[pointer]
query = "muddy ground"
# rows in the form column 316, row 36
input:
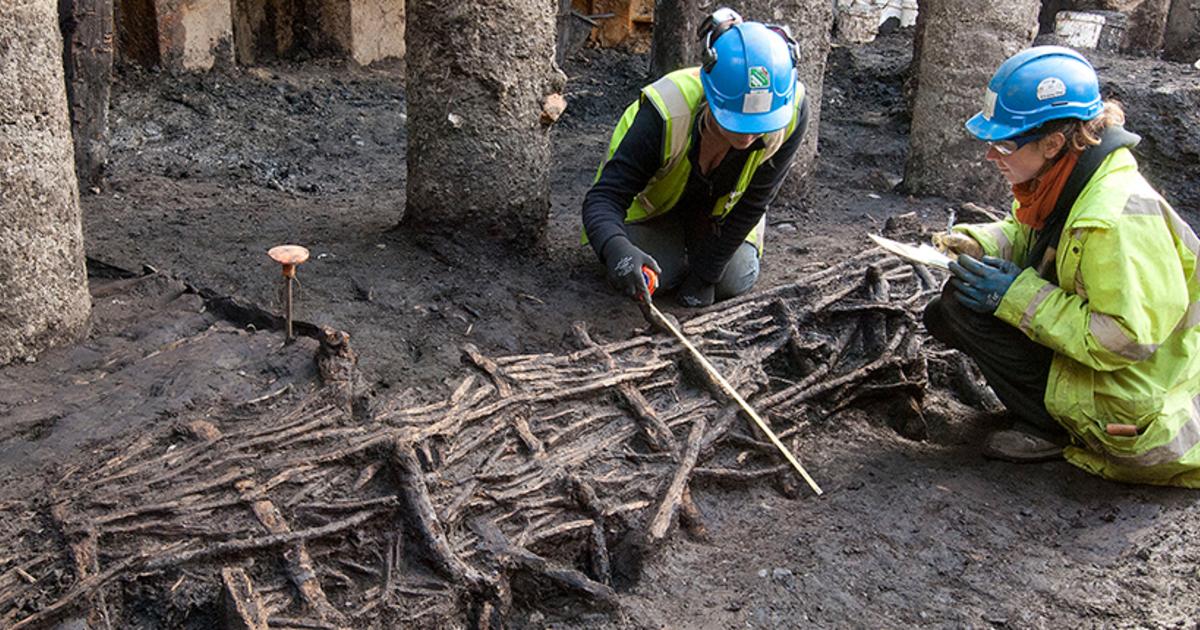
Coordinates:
column 210, row 171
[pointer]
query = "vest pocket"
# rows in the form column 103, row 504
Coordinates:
column 1144, row 413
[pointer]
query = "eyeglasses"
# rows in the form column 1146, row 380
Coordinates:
column 1012, row 145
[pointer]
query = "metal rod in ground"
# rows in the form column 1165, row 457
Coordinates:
column 289, row 256
column 729, row 389
column 289, row 308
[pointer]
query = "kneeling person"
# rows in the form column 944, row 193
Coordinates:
column 694, row 164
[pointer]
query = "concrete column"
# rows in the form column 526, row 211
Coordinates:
column 963, row 42
column 376, row 30
column 811, row 22
column 194, row 34
column 44, row 299
column 481, row 80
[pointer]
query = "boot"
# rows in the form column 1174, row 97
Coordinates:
column 1021, row 447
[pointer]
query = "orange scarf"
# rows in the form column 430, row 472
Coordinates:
column 1036, row 197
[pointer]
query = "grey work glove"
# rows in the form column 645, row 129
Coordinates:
column 696, row 292
column 955, row 243
column 624, row 261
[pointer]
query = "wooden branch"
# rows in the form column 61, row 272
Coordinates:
column 489, row 366
column 429, row 528
column 598, row 558
column 725, row 419
column 83, row 543
column 728, row 474
column 242, row 545
column 242, row 605
column 660, row 524
column 691, row 517
column 507, row 554
column 177, row 504
column 82, row 588
column 300, row 568
column 658, row 435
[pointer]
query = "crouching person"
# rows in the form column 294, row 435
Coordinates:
column 1081, row 307
column 694, row 163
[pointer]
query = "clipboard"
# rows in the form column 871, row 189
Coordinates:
column 923, row 254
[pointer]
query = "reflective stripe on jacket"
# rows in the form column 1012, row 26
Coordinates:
column 1123, row 323
column 678, row 97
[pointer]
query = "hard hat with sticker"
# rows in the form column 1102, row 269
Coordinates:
column 1033, row 87
column 749, row 77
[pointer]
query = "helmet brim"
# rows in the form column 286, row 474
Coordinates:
column 766, row 122
column 990, row 131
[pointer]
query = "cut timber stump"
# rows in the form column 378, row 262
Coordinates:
column 87, row 30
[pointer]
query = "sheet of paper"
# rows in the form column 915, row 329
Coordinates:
column 924, row 254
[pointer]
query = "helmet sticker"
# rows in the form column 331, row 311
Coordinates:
column 759, row 77
column 757, row 102
column 989, row 104
column 1051, row 87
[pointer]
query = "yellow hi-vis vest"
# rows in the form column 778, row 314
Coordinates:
column 1124, row 324
column 678, row 97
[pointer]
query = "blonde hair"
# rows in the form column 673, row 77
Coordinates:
column 1082, row 134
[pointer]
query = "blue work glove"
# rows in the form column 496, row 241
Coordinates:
column 695, row 292
column 624, row 261
column 980, row 285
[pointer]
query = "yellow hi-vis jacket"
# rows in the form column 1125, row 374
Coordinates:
column 678, row 97
column 1123, row 324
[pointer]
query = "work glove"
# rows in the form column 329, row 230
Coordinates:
column 624, row 261
column 955, row 243
column 980, row 285
column 695, row 292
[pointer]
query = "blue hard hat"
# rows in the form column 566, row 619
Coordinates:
column 1034, row 86
column 749, row 77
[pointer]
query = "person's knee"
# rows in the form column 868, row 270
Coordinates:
column 740, row 273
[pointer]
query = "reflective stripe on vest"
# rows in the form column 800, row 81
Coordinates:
column 679, row 99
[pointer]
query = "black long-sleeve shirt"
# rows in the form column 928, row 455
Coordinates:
column 710, row 242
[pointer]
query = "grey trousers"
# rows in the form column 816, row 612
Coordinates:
column 663, row 238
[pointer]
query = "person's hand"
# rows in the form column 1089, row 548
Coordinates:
column 624, row 261
column 696, row 292
column 980, row 285
column 956, row 243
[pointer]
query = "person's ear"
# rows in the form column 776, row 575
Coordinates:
column 1052, row 144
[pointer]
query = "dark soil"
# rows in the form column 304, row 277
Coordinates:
column 209, row 171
